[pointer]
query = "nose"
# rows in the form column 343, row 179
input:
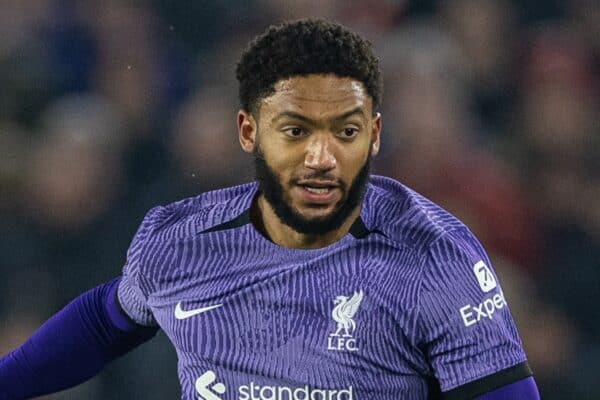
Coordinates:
column 319, row 155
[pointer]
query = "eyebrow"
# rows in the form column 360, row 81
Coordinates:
column 295, row 115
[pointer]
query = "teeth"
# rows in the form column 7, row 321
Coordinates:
column 317, row 190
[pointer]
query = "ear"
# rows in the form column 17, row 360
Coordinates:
column 247, row 128
column 376, row 134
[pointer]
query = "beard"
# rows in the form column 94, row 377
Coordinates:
column 269, row 184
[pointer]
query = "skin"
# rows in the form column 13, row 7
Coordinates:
column 314, row 130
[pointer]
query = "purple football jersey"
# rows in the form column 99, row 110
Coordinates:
column 403, row 306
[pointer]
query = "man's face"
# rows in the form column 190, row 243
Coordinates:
column 312, row 144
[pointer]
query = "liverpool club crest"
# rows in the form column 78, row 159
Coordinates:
column 343, row 315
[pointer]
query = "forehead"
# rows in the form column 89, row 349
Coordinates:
column 317, row 95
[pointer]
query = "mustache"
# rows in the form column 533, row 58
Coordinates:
column 323, row 177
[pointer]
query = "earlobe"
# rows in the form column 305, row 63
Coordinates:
column 375, row 148
column 247, row 130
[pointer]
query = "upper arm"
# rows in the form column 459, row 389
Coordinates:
column 468, row 333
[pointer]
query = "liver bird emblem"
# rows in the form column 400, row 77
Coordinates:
column 344, row 311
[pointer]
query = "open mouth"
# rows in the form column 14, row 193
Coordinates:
column 317, row 190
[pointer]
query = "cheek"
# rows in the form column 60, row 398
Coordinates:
column 283, row 161
column 280, row 165
column 354, row 161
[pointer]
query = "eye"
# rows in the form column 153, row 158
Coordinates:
column 295, row 132
column 348, row 133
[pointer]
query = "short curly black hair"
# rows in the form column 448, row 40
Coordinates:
column 307, row 46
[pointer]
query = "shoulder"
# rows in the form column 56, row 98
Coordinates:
column 405, row 216
column 447, row 253
column 189, row 216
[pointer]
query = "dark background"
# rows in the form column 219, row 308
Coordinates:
column 110, row 107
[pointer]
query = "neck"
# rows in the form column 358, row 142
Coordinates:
column 269, row 224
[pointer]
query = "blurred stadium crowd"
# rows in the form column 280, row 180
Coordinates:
column 110, row 107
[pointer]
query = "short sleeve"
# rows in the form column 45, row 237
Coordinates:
column 134, row 287
column 468, row 333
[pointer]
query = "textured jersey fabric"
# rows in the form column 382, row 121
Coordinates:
column 406, row 299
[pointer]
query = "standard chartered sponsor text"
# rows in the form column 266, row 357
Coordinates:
column 257, row 392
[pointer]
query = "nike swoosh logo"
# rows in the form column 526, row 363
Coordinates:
column 185, row 314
